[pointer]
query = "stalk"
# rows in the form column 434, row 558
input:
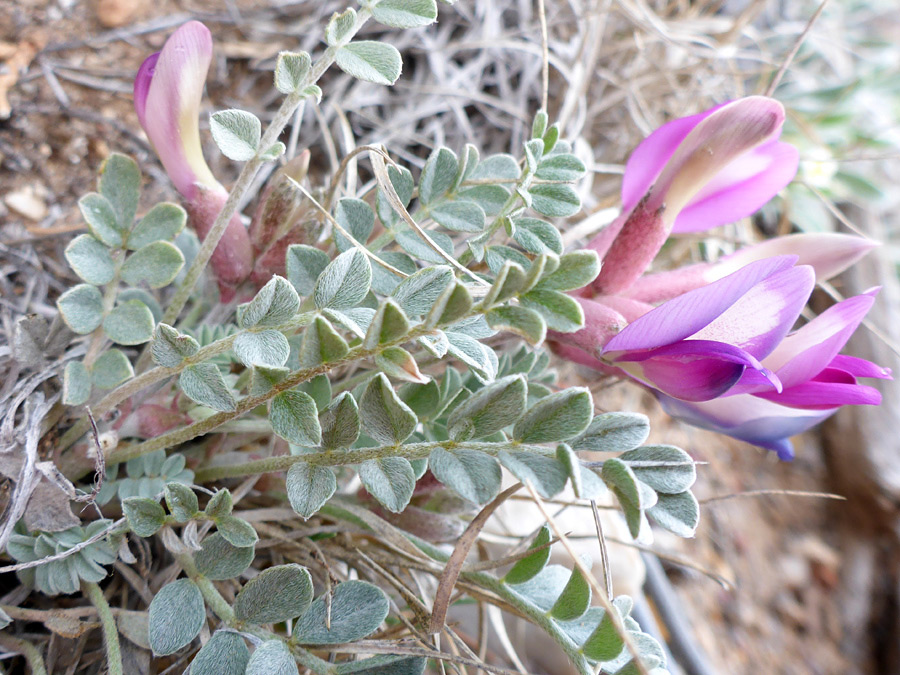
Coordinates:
column 110, row 630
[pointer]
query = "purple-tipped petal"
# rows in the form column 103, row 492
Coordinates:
column 142, row 87
column 687, row 314
column 860, row 367
column 833, row 388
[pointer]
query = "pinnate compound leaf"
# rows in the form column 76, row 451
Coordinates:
column 480, row 358
column 345, row 281
column 76, row 383
column 90, row 259
column 665, row 468
column 614, row 432
column 144, row 516
column 390, row 480
column 489, row 409
column 291, row 70
column 204, row 384
column 111, row 369
column 405, row 13
column 237, row 532
column 181, row 501
column 303, row 265
column 120, row 183
column 295, row 418
column 161, row 223
column 385, row 417
column 277, row 594
column 170, row 347
column 451, row 306
column 529, row 566
column 340, row 422
column 546, row 473
column 575, row 599
column 237, row 133
column 81, row 307
column 388, row 324
column 355, row 216
column 274, row 304
column 357, row 609
column 370, row 61
column 155, row 265
column 177, row 614
column 438, row 175
column 459, row 216
column 557, row 417
column 473, row 475
column 537, row 236
column 101, row 219
column 131, row 323
column 267, row 348
column 563, row 166
column 272, row 657
column 679, row 513
column 309, row 487
column 226, row 653
column 510, row 280
column 218, row 559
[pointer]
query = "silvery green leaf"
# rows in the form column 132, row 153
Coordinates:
column 453, row 304
column 480, row 358
column 224, row 654
column 534, row 150
column 237, row 133
column 403, row 184
column 386, row 418
column 319, row 389
column 491, row 198
column 539, row 125
column 203, row 383
column 356, row 320
column 384, row 664
column 677, row 513
column 497, row 256
column 144, row 516
column 405, row 13
column 412, row 243
column 321, row 344
column 272, row 657
column 266, row 348
column 546, row 474
column 614, row 432
column 489, row 409
column 497, row 167
column 111, row 369
column 357, row 609
column 355, row 216
column 176, row 616
column 131, row 323
column 576, row 270
column 384, row 281
column 560, row 311
column 236, row 531
column 467, row 163
column 76, row 383
column 81, row 307
column 276, row 303
column 370, row 61
column 605, row 643
column 90, row 259
column 101, row 219
column 340, row 422
column 510, row 280
column 390, row 480
column 120, row 183
column 388, row 324
column 554, row 200
column 345, row 281
column 309, row 487
column 529, row 566
column 537, row 236
column 619, row 477
column 339, row 26
column 218, row 560
column 399, row 364
column 438, row 175
column 263, row 378
column 557, row 417
column 277, row 594
column 435, row 344
column 544, row 588
column 417, row 293
column 291, row 70
column 459, row 216
column 664, row 468
column 170, row 347
column 473, row 475
column 161, row 223
column 155, row 265
column 274, row 151
column 563, row 167
column 551, row 138
column 295, row 418
column 181, row 501
column 524, row 322
column 304, row 264
column 220, row 504
column 313, row 90
column 574, row 600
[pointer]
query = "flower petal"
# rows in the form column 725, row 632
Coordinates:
column 860, row 367
column 824, row 394
column 142, row 86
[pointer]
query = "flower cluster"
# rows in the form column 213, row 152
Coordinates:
column 714, row 341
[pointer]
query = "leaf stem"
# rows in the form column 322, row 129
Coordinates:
column 110, row 630
column 31, row 653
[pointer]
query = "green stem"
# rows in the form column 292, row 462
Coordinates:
column 110, row 292
column 31, row 653
column 110, row 630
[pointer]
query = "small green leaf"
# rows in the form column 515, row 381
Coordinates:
column 539, row 125
column 619, row 476
column 263, row 378
column 304, row 264
column 510, row 280
column 537, row 236
column 236, row 531
column 575, row 270
column 277, row 594
column 204, row 384
column 389, row 324
column 144, row 516
column 181, row 501
column 497, row 167
column 403, row 184
column 554, row 200
column 276, row 303
column 370, row 61
column 218, row 560
column 155, row 265
column 384, row 664
column 604, row 644
column 524, row 322
column 355, row 216
column 560, row 311
column 131, row 323
column 390, row 480
column 161, row 223
column 321, row 343
column 295, row 418
column 575, row 599
column 272, row 657
column 170, row 347
column 386, row 418
column 405, row 13
column 546, row 474
column 557, row 417
column 357, row 608
column 453, row 304
column 418, row 293
column 101, row 219
column 677, row 513
column 267, row 348
column 176, row 616
column 291, row 70
column 319, row 388
column 489, row 409
column 237, row 133
column 76, row 383
column 529, row 566
column 224, row 654
column 220, row 504
column 120, row 183
column 111, row 369
column 614, row 432
column 339, row 26
column 471, row 474
column 81, row 307
column 340, row 422
column 563, row 167
column 274, row 151
column 438, row 175
column 664, row 468
column 480, row 358
column 459, row 216
column 345, row 281
column 309, row 487
column 399, row 364
column 90, row 259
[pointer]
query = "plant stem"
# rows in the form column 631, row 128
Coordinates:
column 31, row 653
column 110, row 630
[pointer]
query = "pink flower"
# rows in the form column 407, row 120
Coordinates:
column 168, row 89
